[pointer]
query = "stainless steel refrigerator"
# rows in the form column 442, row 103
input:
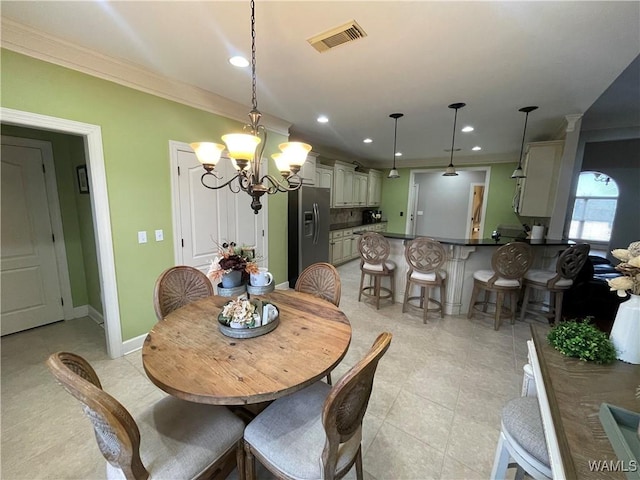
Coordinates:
column 308, row 229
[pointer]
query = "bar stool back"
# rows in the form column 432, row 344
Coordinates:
column 569, row 264
column 425, row 257
column 509, row 263
column 374, row 261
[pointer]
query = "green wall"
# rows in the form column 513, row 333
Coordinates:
column 136, row 130
column 395, row 195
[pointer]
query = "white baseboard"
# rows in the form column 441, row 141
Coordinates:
column 96, row 316
column 283, row 286
column 81, row 311
column 129, row 346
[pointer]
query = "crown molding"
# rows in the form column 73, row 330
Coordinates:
column 27, row 41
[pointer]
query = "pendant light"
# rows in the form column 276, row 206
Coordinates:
column 394, row 171
column 519, row 172
column 451, row 170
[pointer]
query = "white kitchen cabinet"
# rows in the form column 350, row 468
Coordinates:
column 535, row 194
column 374, row 188
column 324, row 179
column 360, row 183
column 343, row 174
column 308, row 170
column 336, row 245
column 347, row 237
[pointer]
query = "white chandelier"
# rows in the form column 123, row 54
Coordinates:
column 245, row 151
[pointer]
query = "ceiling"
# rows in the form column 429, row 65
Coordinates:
column 417, row 58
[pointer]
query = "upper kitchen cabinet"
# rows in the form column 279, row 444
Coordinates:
column 343, row 176
column 308, row 170
column 324, row 179
column 536, row 193
column 360, row 182
column 374, row 188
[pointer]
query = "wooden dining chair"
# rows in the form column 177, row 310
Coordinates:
column 509, row 263
column 425, row 257
column 554, row 282
column 322, row 280
column 177, row 286
column 180, row 439
column 316, row 432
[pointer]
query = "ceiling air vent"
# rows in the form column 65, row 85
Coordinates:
column 337, row 36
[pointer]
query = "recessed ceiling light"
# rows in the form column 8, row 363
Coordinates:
column 323, row 119
column 467, row 129
column 367, row 140
column 476, row 148
column 398, row 154
column 239, row 61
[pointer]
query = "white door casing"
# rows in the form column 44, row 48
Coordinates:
column 31, row 293
column 203, row 218
column 100, row 208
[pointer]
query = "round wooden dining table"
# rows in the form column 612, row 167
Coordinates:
column 187, row 356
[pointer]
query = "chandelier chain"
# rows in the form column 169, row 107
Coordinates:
column 453, row 138
column 253, row 56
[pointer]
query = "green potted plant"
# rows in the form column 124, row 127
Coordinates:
column 583, row 340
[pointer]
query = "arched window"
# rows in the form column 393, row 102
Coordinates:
column 594, row 208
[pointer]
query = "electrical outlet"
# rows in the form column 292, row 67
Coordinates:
column 159, row 235
column 142, row 237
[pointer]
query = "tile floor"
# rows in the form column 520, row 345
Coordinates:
column 434, row 411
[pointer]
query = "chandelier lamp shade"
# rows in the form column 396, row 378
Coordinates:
column 394, row 171
column 451, row 170
column 245, row 151
column 519, row 172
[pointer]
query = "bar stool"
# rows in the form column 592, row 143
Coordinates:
column 374, row 253
column 509, row 263
column 425, row 258
column 569, row 264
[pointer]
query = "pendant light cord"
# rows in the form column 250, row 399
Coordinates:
column 453, row 138
column 395, row 138
column 524, row 131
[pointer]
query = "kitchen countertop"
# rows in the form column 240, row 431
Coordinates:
column 342, row 226
column 483, row 242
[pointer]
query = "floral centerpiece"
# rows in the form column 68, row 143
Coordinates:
column 231, row 258
column 240, row 312
column 630, row 267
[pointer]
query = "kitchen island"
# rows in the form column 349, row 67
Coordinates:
column 465, row 256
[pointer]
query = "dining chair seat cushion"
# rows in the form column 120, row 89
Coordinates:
column 522, row 421
column 427, row 277
column 289, row 433
column 181, row 439
column 377, row 267
column 485, row 275
column 543, row 276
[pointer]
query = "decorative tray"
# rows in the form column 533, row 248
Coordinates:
column 256, row 326
column 621, row 427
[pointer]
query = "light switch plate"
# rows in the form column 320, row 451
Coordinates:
column 142, row 237
column 159, row 235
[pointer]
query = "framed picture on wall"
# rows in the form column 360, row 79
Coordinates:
column 83, row 180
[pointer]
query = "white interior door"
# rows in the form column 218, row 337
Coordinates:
column 205, row 218
column 29, row 272
column 412, row 208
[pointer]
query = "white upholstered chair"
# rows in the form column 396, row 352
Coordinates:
column 171, row 439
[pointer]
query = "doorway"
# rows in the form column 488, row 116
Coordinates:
column 475, row 227
column 92, row 138
column 440, row 205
